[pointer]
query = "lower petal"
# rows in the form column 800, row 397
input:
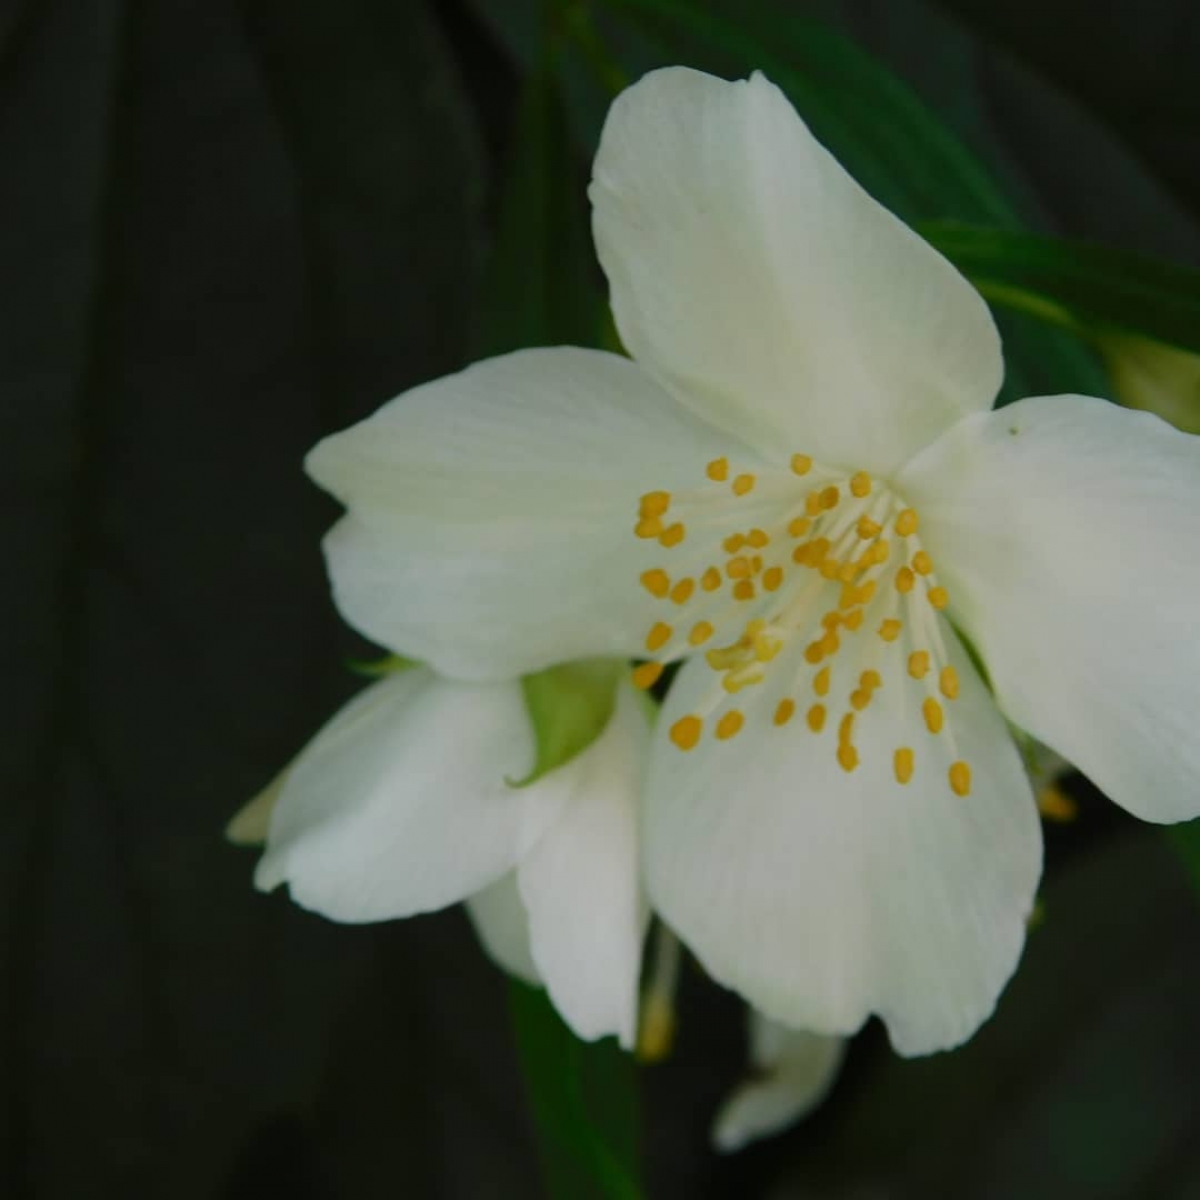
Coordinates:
column 1064, row 529
column 502, row 923
column 823, row 895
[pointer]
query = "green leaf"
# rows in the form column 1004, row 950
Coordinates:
column 584, row 1102
column 569, row 706
column 1081, row 286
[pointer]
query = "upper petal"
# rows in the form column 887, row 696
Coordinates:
column 768, row 290
column 581, row 886
column 824, row 896
column 1064, row 529
column 400, row 804
column 490, row 530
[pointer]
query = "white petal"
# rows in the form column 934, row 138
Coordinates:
column 1065, row 530
column 400, row 804
column 793, row 1072
column 491, row 519
column 502, row 923
column 768, row 290
column 580, row 883
column 249, row 825
column 824, row 896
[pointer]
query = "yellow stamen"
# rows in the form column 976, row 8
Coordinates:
column 733, row 543
column 949, row 683
column 860, row 484
column 960, row 779
column 870, row 679
column 672, row 535
column 938, row 597
column 812, row 504
column 801, row 464
column 814, row 652
column 799, row 526
column 868, row 529
column 685, row 733
column 902, row 763
column 934, row 717
column 654, row 504
column 830, row 568
column 905, row 580
column 830, row 497
column 658, row 637
column 880, row 551
column 681, row 593
column 742, row 484
column 854, row 619
column 784, row 711
column 772, row 578
column 730, row 724
column 816, row 718
column 743, row 590
column 918, row 663
column 922, row 563
column 738, row 568
column 821, row 682
column 846, row 729
column 860, row 698
column 711, row 579
column 648, row 527
column 847, row 757
column 906, row 522
column 1055, row 805
column 890, row 629
column 758, row 538
column 657, row 582
column 700, row 634
column 647, row 674
column 718, row 470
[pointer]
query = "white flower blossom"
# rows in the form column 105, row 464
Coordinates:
column 798, row 489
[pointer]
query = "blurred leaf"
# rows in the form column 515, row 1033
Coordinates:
column 569, row 706
column 1149, row 375
column 584, row 1101
column 1084, row 287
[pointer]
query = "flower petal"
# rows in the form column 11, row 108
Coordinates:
column 1064, row 530
column 580, row 883
column 502, row 923
column 824, row 896
column 491, row 519
column 777, row 299
column 793, row 1071
column 400, row 805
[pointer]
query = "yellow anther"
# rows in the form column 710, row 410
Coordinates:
column 729, row 725
column 672, row 535
column 960, row 779
column 934, row 717
column 830, row 497
column 854, row 619
column 830, row 568
column 754, row 627
column 848, row 572
column 758, row 538
column 938, row 597
column 648, row 527
column 868, row 529
column 726, row 658
column 847, row 757
column 902, row 764
column 821, row 682
column 860, row 698
column 657, row 582
column 905, row 579
column 738, row 568
column 654, row 504
column 812, row 504
column 742, row 484
column 922, row 563
column 756, row 563
column 766, row 648
column 1055, row 805
column 948, row 682
column 816, row 718
column 918, row 663
column 681, row 593
column 870, row 679
column 685, row 733
column 734, row 681
column 890, row 629
column 799, row 526
column 784, row 711
column 814, row 652
column 711, row 579
column 830, row 643
column 700, row 634
column 718, row 470
column 906, row 522
column 647, row 674
column 743, row 590
column 772, row 578
column 880, row 551
column 733, row 543
column 848, row 596
column 860, row 484
column 831, row 620
column 801, row 464
column 658, row 637
column 846, row 729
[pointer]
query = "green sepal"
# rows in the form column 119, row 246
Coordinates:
column 569, row 706
column 377, row 668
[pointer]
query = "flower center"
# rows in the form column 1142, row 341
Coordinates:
column 833, row 565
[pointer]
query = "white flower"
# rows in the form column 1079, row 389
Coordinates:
column 791, row 1073
column 403, row 804
column 799, row 487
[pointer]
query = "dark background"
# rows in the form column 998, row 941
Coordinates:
column 225, row 230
